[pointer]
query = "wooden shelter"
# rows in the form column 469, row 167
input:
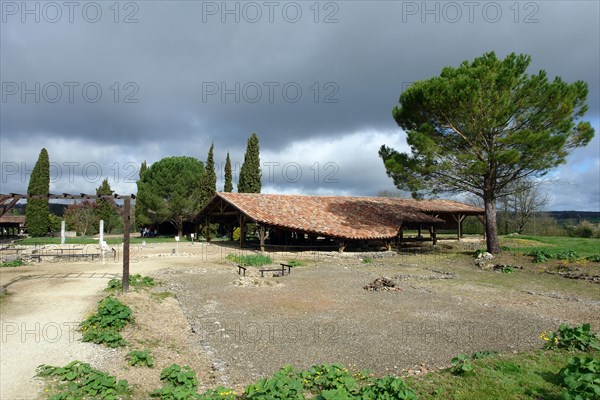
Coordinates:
column 336, row 220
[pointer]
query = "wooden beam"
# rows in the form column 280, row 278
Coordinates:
column 126, row 220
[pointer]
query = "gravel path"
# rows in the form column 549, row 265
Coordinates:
column 321, row 314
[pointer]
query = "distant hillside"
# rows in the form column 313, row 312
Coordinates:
column 575, row 216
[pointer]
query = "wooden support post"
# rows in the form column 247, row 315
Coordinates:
column 433, row 235
column 419, row 235
column 341, row 246
column 261, row 237
column 207, row 236
column 126, row 221
column 459, row 218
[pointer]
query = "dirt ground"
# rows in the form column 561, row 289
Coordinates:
column 233, row 330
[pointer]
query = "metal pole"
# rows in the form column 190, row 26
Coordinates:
column 126, row 220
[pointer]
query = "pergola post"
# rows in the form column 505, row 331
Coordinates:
column 459, row 218
column 261, row 237
column 126, row 221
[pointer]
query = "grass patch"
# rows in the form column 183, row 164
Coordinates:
column 136, row 281
column 251, row 260
column 161, row 296
column 584, row 247
column 531, row 375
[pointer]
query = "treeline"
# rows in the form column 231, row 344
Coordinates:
column 173, row 190
column 550, row 223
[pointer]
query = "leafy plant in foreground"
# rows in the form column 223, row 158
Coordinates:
column 284, row 384
column 578, row 337
column 179, row 383
column 12, row 264
column 581, row 378
column 79, row 380
column 103, row 326
column 142, row 357
column 461, row 365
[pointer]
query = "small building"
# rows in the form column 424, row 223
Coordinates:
column 11, row 225
column 331, row 221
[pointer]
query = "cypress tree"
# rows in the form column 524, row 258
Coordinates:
column 250, row 176
column 208, row 183
column 228, row 175
column 37, row 210
column 105, row 210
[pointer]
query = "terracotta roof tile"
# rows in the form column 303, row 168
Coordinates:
column 337, row 216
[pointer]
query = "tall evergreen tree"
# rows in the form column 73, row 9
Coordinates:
column 37, row 210
column 228, row 175
column 139, row 217
column 105, row 211
column 250, row 176
column 208, row 183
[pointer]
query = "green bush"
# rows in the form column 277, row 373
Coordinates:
column 80, row 381
column 326, row 377
column 461, row 365
column 581, row 378
column 578, row 337
column 544, row 255
column 104, row 325
column 142, row 357
column 284, row 384
column 594, row 258
column 12, row 264
column 388, row 388
column 295, row 263
column 179, row 383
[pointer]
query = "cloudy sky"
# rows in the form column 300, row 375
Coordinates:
column 105, row 85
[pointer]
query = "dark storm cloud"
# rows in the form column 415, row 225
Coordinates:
column 179, row 78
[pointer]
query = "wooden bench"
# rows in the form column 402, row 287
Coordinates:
column 240, row 268
column 280, row 270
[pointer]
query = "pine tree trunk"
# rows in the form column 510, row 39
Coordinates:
column 491, row 229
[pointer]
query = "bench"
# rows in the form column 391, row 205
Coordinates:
column 280, row 270
column 240, row 268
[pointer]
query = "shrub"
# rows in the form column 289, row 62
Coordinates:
column 578, row 337
column 284, row 384
column 12, row 264
column 103, row 326
column 594, row 258
column 461, row 365
column 581, row 378
column 295, row 263
column 386, row 388
column 179, row 383
column 80, row 381
column 326, row 377
column 142, row 357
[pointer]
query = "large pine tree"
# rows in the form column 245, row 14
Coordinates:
column 208, row 184
column 228, row 187
column 37, row 211
column 250, row 176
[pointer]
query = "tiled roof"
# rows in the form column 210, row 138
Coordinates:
column 12, row 219
column 336, row 216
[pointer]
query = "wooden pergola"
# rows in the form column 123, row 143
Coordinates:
column 8, row 201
